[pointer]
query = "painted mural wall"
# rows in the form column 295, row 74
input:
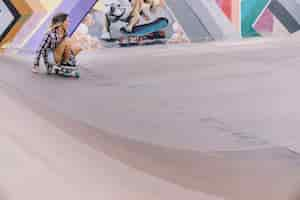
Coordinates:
column 252, row 18
column 103, row 22
column 23, row 22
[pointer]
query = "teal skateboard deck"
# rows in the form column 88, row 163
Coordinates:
column 145, row 29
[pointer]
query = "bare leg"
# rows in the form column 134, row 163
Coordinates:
column 107, row 24
column 106, row 34
column 76, row 50
column 63, row 51
column 135, row 14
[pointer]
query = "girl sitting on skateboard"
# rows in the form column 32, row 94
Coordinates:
column 56, row 48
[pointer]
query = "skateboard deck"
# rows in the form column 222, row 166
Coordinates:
column 145, row 29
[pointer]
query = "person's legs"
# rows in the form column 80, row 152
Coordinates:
column 65, row 51
column 76, row 50
column 135, row 14
column 106, row 34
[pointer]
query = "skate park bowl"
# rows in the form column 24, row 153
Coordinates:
column 197, row 120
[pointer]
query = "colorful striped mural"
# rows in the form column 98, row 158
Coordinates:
column 23, row 22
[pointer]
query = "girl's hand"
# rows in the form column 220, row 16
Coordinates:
column 61, row 32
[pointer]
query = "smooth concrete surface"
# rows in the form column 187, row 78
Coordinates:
column 204, row 121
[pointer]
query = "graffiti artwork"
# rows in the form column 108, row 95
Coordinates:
column 109, row 23
column 126, row 22
column 8, row 16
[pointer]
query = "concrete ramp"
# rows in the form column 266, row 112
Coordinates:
column 211, row 121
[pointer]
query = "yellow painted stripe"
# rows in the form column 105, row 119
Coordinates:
column 99, row 6
column 50, row 4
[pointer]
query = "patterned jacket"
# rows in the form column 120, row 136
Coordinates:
column 50, row 42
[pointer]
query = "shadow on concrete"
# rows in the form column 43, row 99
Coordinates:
column 256, row 174
column 3, row 194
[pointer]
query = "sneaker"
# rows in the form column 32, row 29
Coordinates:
column 35, row 69
column 106, row 36
column 69, row 63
